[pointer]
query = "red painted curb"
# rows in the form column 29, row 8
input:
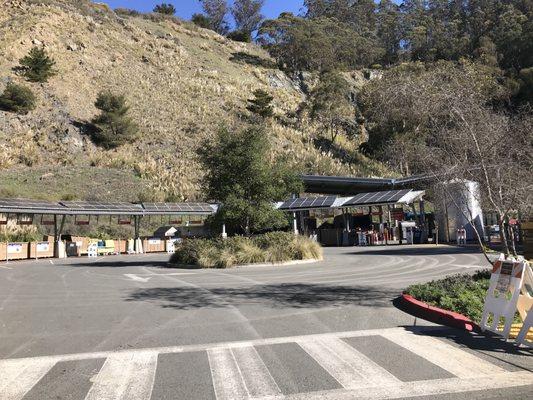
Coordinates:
column 438, row 315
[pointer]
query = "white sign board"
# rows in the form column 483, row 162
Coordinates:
column 42, row 247
column 14, row 248
column 154, row 241
column 171, row 245
column 502, row 296
column 92, row 250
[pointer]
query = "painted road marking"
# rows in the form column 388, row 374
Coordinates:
column 238, row 372
column 256, row 375
column 349, row 367
column 227, row 379
column 17, row 377
column 137, row 278
column 125, row 377
column 423, row 388
column 459, row 362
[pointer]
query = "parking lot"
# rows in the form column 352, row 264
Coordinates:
column 243, row 332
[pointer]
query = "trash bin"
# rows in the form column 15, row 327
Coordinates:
column 72, row 249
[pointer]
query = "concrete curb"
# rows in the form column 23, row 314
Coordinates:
column 280, row 264
column 437, row 315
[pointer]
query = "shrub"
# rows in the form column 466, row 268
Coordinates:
column 17, row 98
column 273, row 239
column 127, row 12
column 461, row 293
column 201, row 20
column 240, row 36
column 113, row 127
column 246, row 251
column 272, row 247
column 165, row 8
column 305, row 249
column 37, row 66
column 200, row 252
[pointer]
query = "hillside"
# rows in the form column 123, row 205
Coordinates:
column 181, row 82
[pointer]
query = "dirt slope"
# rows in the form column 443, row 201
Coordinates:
column 181, row 81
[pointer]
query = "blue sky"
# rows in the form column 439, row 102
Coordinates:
column 185, row 8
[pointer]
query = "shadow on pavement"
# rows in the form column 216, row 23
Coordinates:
column 488, row 343
column 415, row 251
column 121, row 264
column 275, row 296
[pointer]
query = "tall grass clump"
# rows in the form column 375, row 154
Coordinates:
column 272, row 247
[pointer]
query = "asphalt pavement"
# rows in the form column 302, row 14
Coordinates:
column 129, row 327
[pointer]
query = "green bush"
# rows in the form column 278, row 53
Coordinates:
column 37, row 66
column 271, row 247
column 201, row 20
column 113, row 127
column 17, row 98
column 240, row 36
column 165, row 8
column 461, row 293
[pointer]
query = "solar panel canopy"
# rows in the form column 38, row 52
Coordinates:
column 304, row 203
column 29, row 206
column 178, row 208
column 384, row 197
column 102, row 208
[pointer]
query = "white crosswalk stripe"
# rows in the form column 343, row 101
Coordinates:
column 18, row 376
column 348, row 366
column 459, row 362
column 238, row 372
column 125, row 377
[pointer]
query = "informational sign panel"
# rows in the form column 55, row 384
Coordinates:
column 502, row 296
column 92, row 250
column 171, row 245
column 42, row 247
column 154, row 241
column 14, row 248
column 397, row 214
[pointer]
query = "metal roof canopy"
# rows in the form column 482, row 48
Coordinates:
column 389, row 197
column 33, row 207
column 179, row 208
column 101, row 208
column 344, row 185
column 25, row 206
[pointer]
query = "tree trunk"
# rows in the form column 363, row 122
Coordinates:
column 503, row 234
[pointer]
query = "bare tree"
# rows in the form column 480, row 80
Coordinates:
column 216, row 11
column 247, row 15
column 443, row 120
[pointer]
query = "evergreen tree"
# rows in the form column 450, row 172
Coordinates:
column 261, row 104
column 113, row 126
column 165, row 8
column 389, row 30
column 37, row 66
column 17, row 98
column 241, row 176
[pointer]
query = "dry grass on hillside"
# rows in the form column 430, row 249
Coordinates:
column 181, row 81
